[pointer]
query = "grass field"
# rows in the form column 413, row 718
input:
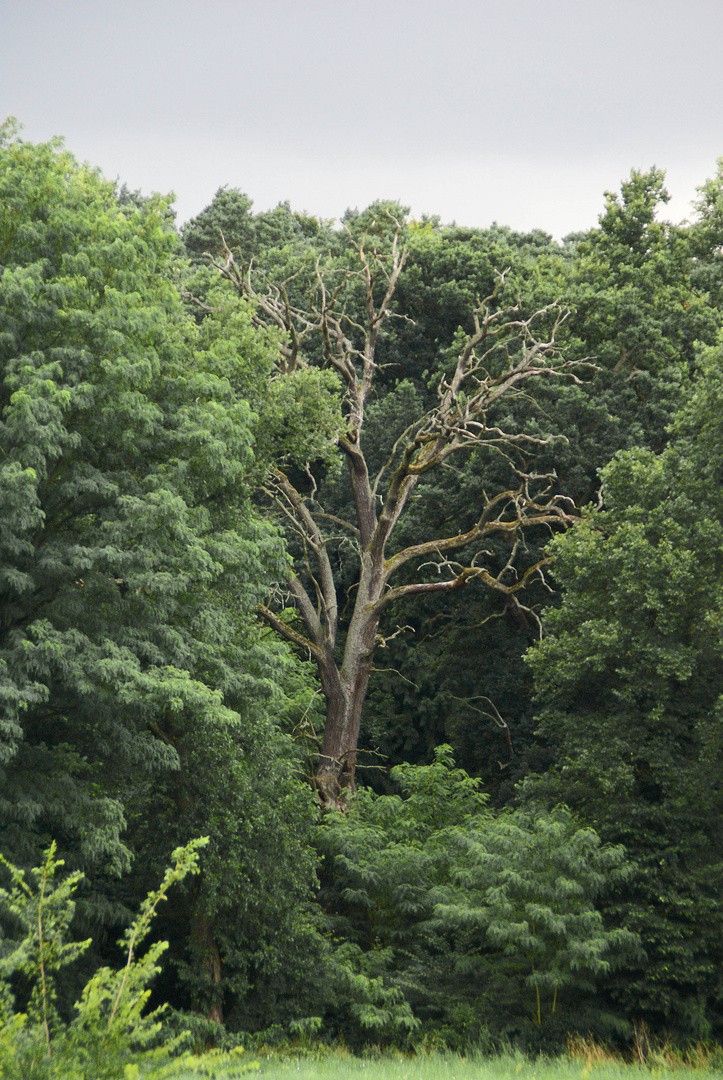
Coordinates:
column 449, row 1067
column 443, row 1067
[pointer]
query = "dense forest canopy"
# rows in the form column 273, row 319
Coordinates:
column 385, row 555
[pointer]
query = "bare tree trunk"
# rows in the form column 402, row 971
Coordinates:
column 336, row 771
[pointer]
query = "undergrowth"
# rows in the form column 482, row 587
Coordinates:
column 647, row 1052
column 110, row 1037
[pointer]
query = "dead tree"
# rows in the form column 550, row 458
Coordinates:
column 504, row 353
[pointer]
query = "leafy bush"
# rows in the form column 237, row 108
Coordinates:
column 110, row 1035
column 483, row 922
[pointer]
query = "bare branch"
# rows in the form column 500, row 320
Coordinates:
column 288, row 633
column 494, row 715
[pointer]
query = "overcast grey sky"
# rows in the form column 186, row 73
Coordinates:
column 516, row 111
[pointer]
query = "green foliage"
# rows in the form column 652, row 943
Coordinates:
column 640, row 292
column 530, row 883
column 474, row 917
column 229, row 218
column 706, row 230
column 301, row 418
column 629, row 686
column 109, row 1033
column 635, row 304
column 140, row 703
column 368, row 1006
column 43, row 916
column 118, row 441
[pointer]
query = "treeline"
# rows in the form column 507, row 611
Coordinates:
column 387, row 556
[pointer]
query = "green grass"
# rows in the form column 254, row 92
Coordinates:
column 444, row 1067
column 449, row 1067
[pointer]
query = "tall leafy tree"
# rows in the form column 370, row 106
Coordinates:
column 640, row 305
column 628, row 676
column 133, row 682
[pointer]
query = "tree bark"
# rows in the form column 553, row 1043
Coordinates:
column 208, row 960
column 345, row 689
column 203, row 942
